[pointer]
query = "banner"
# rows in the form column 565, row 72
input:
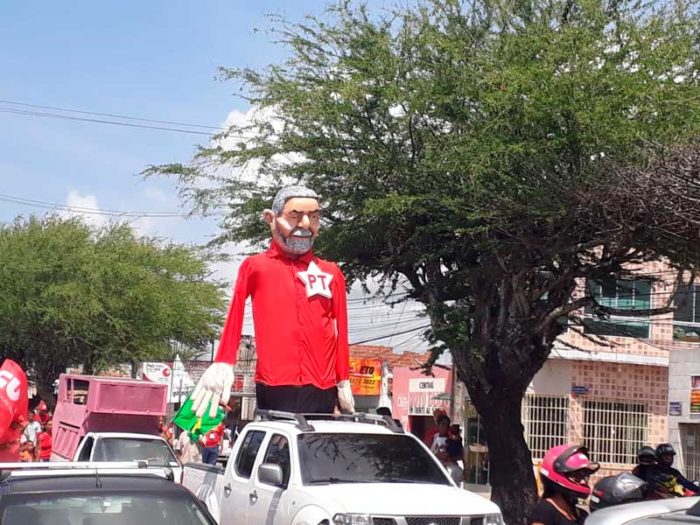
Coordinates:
column 365, row 376
column 695, row 395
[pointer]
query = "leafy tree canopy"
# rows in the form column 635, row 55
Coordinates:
column 73, row 295
column 492, row 154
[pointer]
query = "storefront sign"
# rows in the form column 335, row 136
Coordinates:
column 427, row 384
column 695, row 394
column 579, row 390
column 365, row 376
column 674, row 408
column 157, row 373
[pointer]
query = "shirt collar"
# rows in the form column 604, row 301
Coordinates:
column 275, row 251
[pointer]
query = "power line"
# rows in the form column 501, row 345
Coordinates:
column 113, row 115
column 86, row 210
column 424, row 327
column 100, row 121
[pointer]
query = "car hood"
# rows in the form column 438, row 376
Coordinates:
column 403, row 499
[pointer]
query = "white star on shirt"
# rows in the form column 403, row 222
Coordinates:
column 316, row 280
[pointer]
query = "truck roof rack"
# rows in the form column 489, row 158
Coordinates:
column 82, row 468
column 302, row 420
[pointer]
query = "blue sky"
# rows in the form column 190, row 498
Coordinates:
column 155, row 59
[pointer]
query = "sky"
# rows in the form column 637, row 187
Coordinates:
column 150, row 60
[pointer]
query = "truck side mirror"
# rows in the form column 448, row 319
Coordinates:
column 271, row 474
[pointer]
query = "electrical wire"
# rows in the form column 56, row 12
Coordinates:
column 101, row 121
column 113, row 115
column 86, row 210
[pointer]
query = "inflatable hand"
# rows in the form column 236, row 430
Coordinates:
column 345, row 398
column 13, row 408
column 214, row 385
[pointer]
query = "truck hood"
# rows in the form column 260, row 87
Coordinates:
column 403, row 499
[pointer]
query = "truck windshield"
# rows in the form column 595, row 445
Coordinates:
column 366, row 458
column 100, row 508
column 155, row 451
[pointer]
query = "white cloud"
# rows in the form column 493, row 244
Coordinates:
column 86, row 207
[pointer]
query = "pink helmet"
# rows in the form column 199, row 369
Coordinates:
column 568, row 467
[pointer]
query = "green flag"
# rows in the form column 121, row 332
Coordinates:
column 195, row 426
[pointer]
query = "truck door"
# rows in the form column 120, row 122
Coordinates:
column 270, row 505
column 238, row 484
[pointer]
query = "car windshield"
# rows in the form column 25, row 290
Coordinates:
column 100, row 509
column 155, row 451
column 366, row 458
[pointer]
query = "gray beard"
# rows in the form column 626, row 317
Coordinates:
column 297, row 245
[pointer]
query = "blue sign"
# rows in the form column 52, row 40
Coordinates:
column 579, row 390
column 675, row 408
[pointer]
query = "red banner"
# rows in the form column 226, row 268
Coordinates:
column 365, row 376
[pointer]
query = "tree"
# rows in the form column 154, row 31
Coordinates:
column 72, row 295
column 493, row 155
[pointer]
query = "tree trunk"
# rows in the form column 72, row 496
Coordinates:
column 44, row 389
column 512, row 477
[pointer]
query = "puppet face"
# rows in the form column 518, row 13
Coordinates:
column 296, row 227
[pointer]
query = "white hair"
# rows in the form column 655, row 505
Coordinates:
column 291, row 192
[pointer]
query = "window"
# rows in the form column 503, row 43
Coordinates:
column 99, row 506
column 278, row 454
column 546, row 422
column 613, row 432
column 621, row 294
column 366, row 458
column 155, row 451
column 86, row 451
column 249, row 451
column 686, row 318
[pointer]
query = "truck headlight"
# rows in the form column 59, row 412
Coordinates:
column 493, row 519
column 354, row 519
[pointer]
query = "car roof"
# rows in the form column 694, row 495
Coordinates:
column 112, row 483
column 325, row 426
column 124, row 435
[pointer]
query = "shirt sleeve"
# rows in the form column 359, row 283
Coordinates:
column 340, row 312
column 231, row 334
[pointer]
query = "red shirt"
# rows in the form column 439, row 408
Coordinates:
column 45, row 443
column 213, row 437
column 300, row 319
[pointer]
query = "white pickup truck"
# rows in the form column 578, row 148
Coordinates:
column 363, row 469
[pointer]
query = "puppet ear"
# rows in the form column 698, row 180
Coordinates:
column 268, row 216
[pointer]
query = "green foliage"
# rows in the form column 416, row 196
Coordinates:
column 490, row 153
column 72, row 295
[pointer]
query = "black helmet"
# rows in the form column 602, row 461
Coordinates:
column 614, row 490
column 646, row 456
column 664, row 448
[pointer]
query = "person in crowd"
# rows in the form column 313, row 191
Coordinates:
column 211, row 442
column 27, row 452
column 564, row 473
column 32, row 429
column 448, row 449
column 43, row 414
column 164, row 431
column 664, row 481
column 188, row 451
column 430, row 434
column 45, row 442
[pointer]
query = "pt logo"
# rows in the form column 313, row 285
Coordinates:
column 10, row 383
column 317, row 281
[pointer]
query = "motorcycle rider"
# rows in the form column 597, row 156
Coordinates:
column 564, row 473
column 664, row 480
column 646, row 462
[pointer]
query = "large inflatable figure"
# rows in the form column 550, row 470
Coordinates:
column 299, row 317
column 13, row 409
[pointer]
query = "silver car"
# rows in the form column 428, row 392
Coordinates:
column 684, row 511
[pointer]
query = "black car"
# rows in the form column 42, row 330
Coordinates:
column 98, row 499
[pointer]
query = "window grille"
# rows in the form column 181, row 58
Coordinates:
column 546, row 422
column 613, row 432
column 690, row 444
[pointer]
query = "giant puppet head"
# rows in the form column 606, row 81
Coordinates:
column 295, row 219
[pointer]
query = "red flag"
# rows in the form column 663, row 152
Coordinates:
column 13, row 409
